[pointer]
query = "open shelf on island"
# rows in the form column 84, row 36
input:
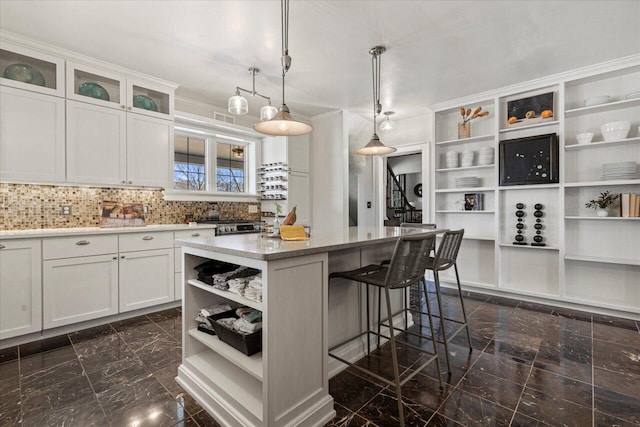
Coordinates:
column 465, row 212
column 602, row 144
column 609, row 106
column 250, row 364
column 603, row 183
column 465, row 168
column 605, row 260
column 603, row 218
column 536, row 125
column 464, row 190
column 245, row 389
column 226, row 294
column 510, row 245
column 472, row 139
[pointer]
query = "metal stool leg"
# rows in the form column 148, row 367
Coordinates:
column 368, row 324
column 394, row 358
column 442, row 324
column 433, row 338
column 464, row 312
column 379, row 318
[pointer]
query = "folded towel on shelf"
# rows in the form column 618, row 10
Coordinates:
column 228, row 322
column 245, row 327
column 237, row 285
column 202, row 315
column 253, row 294
column 252, row 317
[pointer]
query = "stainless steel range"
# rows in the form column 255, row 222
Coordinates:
column 234, row 226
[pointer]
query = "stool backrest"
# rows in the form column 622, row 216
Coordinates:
column 448, row 250
column 416, row 225
column 409, row 259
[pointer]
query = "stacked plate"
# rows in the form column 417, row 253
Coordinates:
column 451, row 159
column 622, row 170
column 486, row 156
column 467, row 159
column 467, row 181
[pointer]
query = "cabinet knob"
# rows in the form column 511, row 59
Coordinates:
column 129, row 108
column 115, row 257
column 130, row 182
column 82, row 242
column 122, row 257
column 147, row 238
column 124, row 182
column 195, row 235
column 2, row 246
column 123, row 107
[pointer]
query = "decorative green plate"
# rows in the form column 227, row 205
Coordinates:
column 144, row 102
column 24, row 73
column 93, row 90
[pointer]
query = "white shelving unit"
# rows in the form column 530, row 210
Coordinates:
column 588, row 260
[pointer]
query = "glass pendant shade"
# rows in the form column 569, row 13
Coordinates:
column 282, row 124
column 267, row 112
column 238, row 104
column 375, row 148
column 387, row 124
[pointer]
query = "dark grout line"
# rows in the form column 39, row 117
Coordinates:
column 515, row 410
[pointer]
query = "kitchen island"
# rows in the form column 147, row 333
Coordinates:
column 287, row 383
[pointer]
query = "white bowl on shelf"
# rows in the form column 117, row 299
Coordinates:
column 584, row 138
column 597, row 100
column 615, row 131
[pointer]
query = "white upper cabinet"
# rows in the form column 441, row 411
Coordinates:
column 149, row 153
column 96, row 144
column 32, row 136
column 150, row 99
column 29, row 69
column 96, row 86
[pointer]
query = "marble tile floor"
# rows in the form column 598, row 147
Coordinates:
column 531, row 365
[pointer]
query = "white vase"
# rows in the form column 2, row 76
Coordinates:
column 276, row 226
column 602, row 212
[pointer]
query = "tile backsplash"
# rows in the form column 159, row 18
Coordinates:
column 25, row 206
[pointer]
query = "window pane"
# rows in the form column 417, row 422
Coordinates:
column 189, row 171
column 230, row 170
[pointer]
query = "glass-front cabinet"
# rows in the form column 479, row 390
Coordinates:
column 145, row 97
column 29, row 69
column 96, row 86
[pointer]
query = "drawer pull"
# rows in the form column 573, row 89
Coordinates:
column 195, row 235
column 82, row 242
column 147, row 238
column 2, row 246
column 115, row 257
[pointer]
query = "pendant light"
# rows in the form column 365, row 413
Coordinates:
column 283, row 124
column 375, row 147
column 388, row 124
column 238, row 104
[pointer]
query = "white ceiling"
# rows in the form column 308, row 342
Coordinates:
column 438, row 50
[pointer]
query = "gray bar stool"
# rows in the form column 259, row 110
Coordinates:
column 407, row 267
column 445, row 258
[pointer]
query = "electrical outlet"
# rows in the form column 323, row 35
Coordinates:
column 66, row 210
column 368, row 205
column 145, row 209
column 253, row 209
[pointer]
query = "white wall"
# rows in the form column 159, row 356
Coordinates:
column 408, row 131
column 360, row 171
column 329, row 171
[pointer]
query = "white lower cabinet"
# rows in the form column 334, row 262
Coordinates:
column 146, row 278
column 79, row 289
column 20, row 288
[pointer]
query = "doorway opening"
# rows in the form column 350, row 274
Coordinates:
column 404, row 183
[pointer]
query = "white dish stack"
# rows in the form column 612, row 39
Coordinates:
column 486, row 156
column 467, row 181
column 451, row 159
column 467, row 159
column 622, row 170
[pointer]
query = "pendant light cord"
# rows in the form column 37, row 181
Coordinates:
column 375, row 71
column 286, row 59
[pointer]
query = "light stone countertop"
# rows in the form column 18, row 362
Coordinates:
column 64, row 232
column 256, row 246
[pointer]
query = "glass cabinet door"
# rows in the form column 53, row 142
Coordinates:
column 95, row 86
column 28, row 69
column 150, row 99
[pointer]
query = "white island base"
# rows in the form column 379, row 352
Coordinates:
column 287, row 383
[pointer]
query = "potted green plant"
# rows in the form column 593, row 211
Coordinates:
column 601, row 204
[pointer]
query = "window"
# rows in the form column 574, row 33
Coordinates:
column 207, row 164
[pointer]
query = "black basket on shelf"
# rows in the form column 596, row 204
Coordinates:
column 207, row 269
column 247, row 343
